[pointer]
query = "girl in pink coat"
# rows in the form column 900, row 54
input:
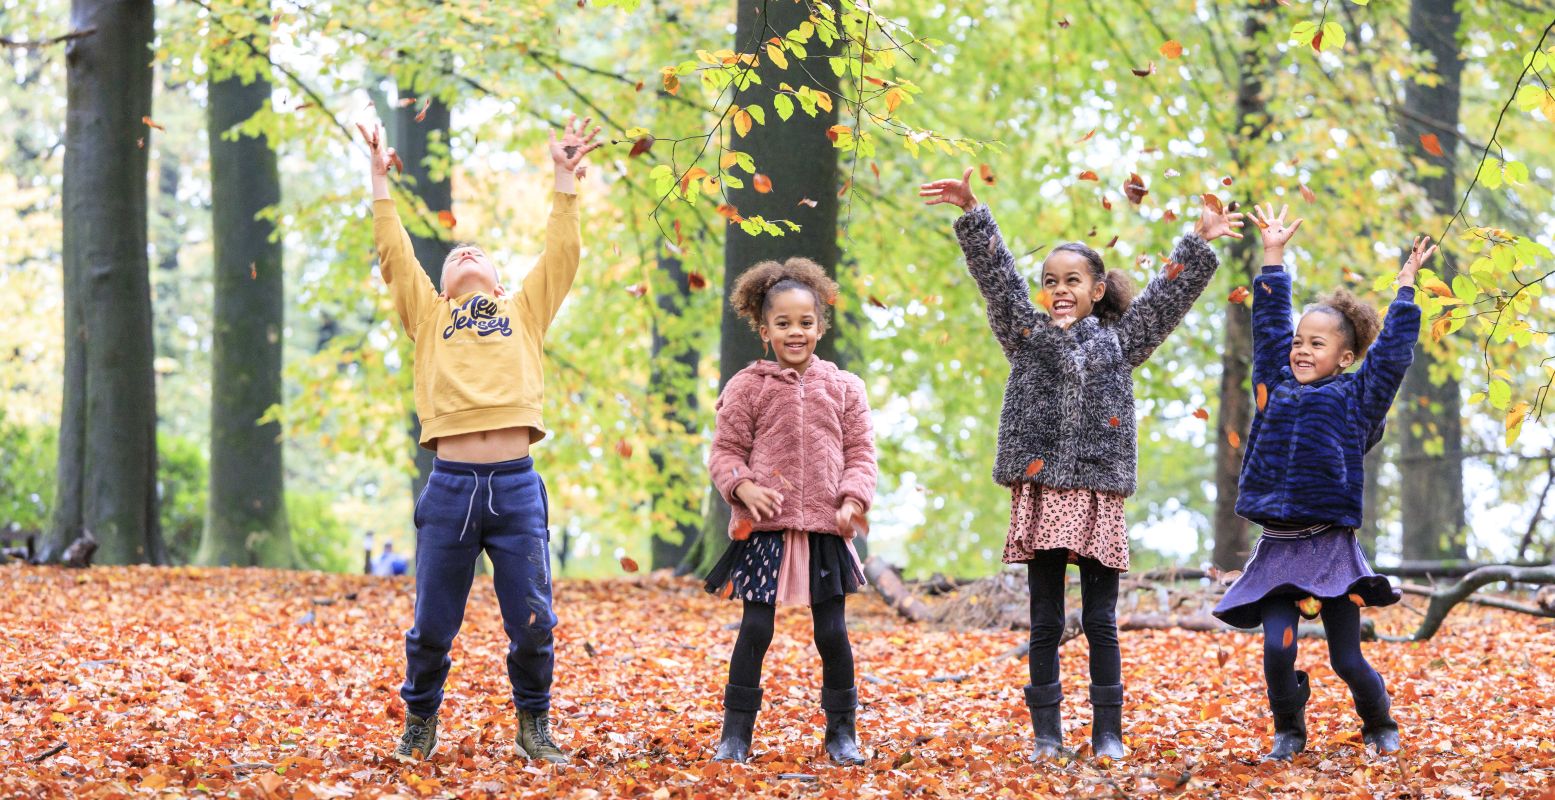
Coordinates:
column 794, row 455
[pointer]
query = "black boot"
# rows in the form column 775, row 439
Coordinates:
column 1290, row 721
column 1046, row 723
column 1378, row 729
column 1107, row 721
column 841, row 707
column 740, row 706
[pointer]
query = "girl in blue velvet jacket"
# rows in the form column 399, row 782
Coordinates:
column 1302, row 479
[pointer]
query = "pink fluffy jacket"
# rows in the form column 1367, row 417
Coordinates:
column 807, row 435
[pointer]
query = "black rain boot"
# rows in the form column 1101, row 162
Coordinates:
column 740, row 706
column 841, row 707
column 1378, row 729
column 1046, row 721
column 1107, row 721
column 1290, row 721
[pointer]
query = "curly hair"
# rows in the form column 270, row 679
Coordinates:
column 752, row 293
column 1120, row 290
column 1357, row 319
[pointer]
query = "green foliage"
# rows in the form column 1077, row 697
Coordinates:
column 323, row 541
column 183, row 467
column 26, row 474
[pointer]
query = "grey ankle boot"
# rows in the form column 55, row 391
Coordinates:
column 841, row 707
column 1107, row 721
column 740, row 706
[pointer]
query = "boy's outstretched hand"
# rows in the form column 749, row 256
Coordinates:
column 1419, row 253
column 575, row 143
column 1276, row 232
column 950, row 190
column 381, row 157
column 1214, row 222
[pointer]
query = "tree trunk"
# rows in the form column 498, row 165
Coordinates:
column 802, row 163
column 245, row 523
column 1431, row 485
column 1236, row 408
column 673, row 378
column 107, row 464
column 414, row 142
column 1371, row 500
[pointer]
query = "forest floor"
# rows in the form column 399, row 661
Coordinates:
column 257, row 683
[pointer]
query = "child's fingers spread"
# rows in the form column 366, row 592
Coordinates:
column 966, row 177
column 1296, row 224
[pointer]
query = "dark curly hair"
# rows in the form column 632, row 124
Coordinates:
column 1357, row 319
column 1120, row 290
column 753, row 290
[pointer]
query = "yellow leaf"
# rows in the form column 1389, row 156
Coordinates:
column 742, row 122
column 823, row 100
column 775, row 55
column 728, row 159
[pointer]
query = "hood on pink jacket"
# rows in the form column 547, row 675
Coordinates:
column 807, row 435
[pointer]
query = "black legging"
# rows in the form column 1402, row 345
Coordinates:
column 1098, row 616
column 831, row 639
column 1341, row 624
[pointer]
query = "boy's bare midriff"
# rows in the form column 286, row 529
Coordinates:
column 485, row 447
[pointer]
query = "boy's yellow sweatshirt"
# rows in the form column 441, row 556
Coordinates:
column 478, row 364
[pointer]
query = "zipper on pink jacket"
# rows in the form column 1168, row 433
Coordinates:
column 804, row 469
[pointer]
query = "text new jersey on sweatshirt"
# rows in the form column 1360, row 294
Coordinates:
column 478, row 360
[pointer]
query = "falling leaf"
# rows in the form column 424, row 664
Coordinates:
column 1063, row 22
column 729, row 212
column 696, row 281
column 397, row 164
column 1263, row 397
column 1169, row 216
column 1089, row 176
column 1235, row 439
column 1307, row 195
column 1173, row 269
column 639, row 86
column 1309, row 606
column 1226, row 181
column 986, row 173
column 808, row 203
column 1290, row 636
column 1134, row 188
column 637, row 290
column 1106, row 203
column 761, row 183
column 1112, row 242
column 671, row 81
column 1086, row 136
column 846, row 185
column 875, row 168
column 1202, row 413
column 422, row 114
column 628, row 564
column 447, row 219
column 1171, row 49
column 875, row 301
column 623, row 448
column 1237, row 295
column 1431, row 144
column 141, row 142
column 742, row 530
column 1148, row 70
column 1213, row 203
column 1358, row 600
column 151, row 123
column 1043, row 298
column 1034, row 467
column 641, row 146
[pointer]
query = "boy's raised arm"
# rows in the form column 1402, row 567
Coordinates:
column 412, row 290
column 546, row 286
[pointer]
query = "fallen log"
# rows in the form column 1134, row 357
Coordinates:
column 888, row 582
column 1444, row 599
column 1450, row 568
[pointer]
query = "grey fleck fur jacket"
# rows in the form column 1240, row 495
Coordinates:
column 1069, row 400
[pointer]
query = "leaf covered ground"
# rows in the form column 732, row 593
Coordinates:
column 258, row 683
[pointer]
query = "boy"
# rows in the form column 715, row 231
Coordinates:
column 479, row 387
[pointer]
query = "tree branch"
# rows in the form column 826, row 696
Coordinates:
column 6, row 41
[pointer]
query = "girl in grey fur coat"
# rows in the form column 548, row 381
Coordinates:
column 1067, row 442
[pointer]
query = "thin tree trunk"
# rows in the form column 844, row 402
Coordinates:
column 673, row 378
column 107, row 465
column 246, row 515
column 1236, row 408
column 1371, row 500
column 1431, row 486
column 802, row 163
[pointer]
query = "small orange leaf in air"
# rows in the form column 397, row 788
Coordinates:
column 1086, row 136
column 253, row 271
column 1134, row 188
column 1226, row 181
column 1114, row 422
column 727, row 591
column 1043, row 298
column 846, row 185
column 875, row 168
column 1106, row 202
column 742, row 530
column 623, row 448
column 1237, row 295
column 761, row 183
column 986, row 173
column 447, row 218
column 1290, row 636
column 1173, row 269
column 1431, row 144
column 1034, row 467
column 397, row 163
column 422, row 114
column 1309, row 606
column 1089, row 176
column 628, row 564
column 1169, row 216
column 1234, row 438
column 696, row 281
column 1358, row 600
column 637, row 290
column 1172, row 49
column 1263, row 397
column 151, row 123
column 1202, row 413
column 1307, row 194
column 807, row 202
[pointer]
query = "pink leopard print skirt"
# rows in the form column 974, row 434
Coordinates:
column 1088, row 524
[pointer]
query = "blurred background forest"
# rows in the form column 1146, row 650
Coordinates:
column 199, row 362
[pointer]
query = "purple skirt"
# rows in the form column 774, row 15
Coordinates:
column 1328, row 566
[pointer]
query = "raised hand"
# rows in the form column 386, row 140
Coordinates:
column 1419, row 253
column 1276, row 231
column 381, row 155
column 1214, row 222
column 950, row 190
column 575, row 143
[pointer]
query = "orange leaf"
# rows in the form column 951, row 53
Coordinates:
column 151, row 123
column 743, row 122
column 623, row 448
column 696, row 281
column 1114, row 422
column 761, row 183
column 729, row 212
column 447, row 218
column 1086, row 136
column 1202, row 413
column 846, row 185
column 1237, row 295
column 695, row 173
column 1173, row 269
column 1290, row 636
column 1431, row 144
column 1089, row 176
column 1034, row 467
column 1044, row 299
column 986, row 173
column 1263, row 397
column 1310, row 606
column 807, row 202
column 1169, row 216
column 422, row 114
column 875, row 301
column 1358, row 600
column 1226, row 181
column 1234, row 438
column 641, row 146
column 671, row 81
column 1213, row 203
column 742, row 530
column 1172, row 49
column 1307, row 195
column 628, row 564
column 1134, row 188
column 637, row 290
